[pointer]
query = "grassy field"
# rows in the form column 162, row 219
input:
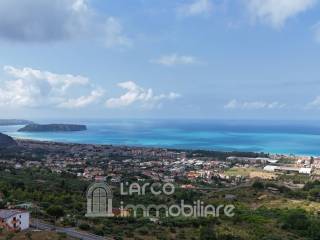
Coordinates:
column 309, row 206
column 235, row 171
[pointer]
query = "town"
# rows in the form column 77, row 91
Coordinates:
column 207, row 174
column 94, row 162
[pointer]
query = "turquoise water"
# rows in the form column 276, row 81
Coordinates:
column 275, row 137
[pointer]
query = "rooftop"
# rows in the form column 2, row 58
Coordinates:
column 5, row 213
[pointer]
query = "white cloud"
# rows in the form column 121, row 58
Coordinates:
column 235, row 104
column 277, row 12
column 315, row 103
column 114, row 34
column 82, row 101
column 175, row 59
column 139, row 95
column 36, row 88
column 56, row 81
column 80, row 5
column 197, row 7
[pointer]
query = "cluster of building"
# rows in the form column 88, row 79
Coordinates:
column 286, row 169
column 99, row 161
column 299, row 165
column 83, row 160
column 288, row 164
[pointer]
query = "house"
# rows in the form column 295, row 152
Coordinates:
column 306, row 171
column 24, row 206
column 100, row 178
column 120, row 212
column 14, row 220
column 273, row 190
column 230, row 197
column 116, row 179
column 17, row 166
column 188, row 186
column 270, row 168
column 316, row 163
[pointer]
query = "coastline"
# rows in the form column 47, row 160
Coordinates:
column 227, row 136
column 29, row 140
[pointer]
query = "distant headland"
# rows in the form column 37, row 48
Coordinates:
column 9, row 122
column 52, row 128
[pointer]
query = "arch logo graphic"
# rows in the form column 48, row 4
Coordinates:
column 99, row 200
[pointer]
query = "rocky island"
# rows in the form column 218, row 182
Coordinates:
column 53, row 128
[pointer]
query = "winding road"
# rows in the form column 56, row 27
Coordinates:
column 72, row 232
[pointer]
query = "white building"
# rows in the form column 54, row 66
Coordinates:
column 270, row 168
column 305, row 171
column 14, row 220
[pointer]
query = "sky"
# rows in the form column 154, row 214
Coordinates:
column 220, row 59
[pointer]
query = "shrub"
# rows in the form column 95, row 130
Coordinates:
column 296, row 219
column 143, row 231
column 207, row 233
column 55, row 211
column 229, row 237
column 258, row 185
column 62, row 236
column 271, row 237
column 9, row 236
column 84, row 226
column 28, row 235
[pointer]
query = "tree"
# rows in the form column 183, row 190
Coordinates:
column 230, row 237
column 314, row 230
column 55, row 211
column 296, row 219
column 9, row 236
column 272, row 237
column 62, row 236
column 258, row 185
column 84, row 226
column 182, row 235
column 207, row 233
column 28, row 235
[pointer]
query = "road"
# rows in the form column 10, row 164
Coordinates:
column 243, row 185
column 72, row 232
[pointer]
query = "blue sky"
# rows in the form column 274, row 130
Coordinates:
column 225, row 59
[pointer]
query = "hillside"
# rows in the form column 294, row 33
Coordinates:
column 6, row 141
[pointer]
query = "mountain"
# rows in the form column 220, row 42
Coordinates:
column 8, row 122
column 52, row 128
column 6, row 141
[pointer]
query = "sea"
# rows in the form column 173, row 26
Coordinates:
column 282, row 137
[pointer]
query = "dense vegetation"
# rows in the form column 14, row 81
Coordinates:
column 60, row 198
